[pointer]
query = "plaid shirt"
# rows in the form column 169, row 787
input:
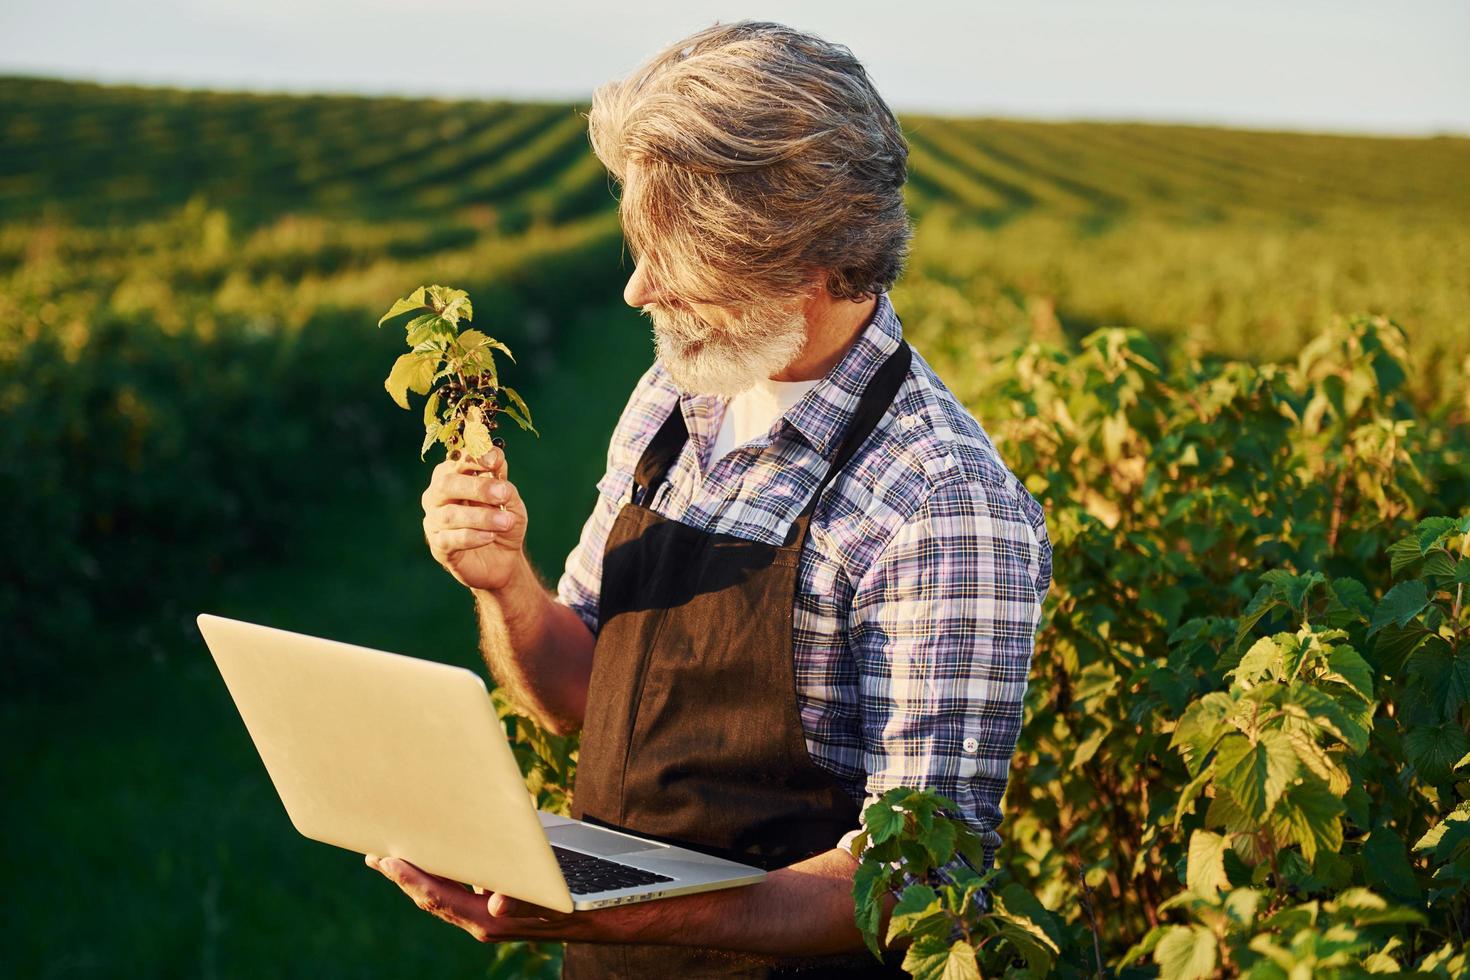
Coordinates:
column 920, row 587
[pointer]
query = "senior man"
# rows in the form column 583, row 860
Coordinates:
column 808, row 577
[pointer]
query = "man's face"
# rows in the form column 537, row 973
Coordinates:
column 710, row 351
column 715, row 350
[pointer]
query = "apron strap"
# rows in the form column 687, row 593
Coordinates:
column 669, row 441
column 660, row 455
column 876, row 398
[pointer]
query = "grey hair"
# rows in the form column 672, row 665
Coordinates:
column 750, row 155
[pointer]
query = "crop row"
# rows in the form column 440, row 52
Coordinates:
column 129, row 149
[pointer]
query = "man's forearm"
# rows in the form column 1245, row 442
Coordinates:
column 802, row 910
column 538, row 650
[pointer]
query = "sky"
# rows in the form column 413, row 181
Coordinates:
column 1325, row 65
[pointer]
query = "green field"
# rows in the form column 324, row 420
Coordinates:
column 192, row 417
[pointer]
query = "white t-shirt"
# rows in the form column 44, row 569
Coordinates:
column 751, row 413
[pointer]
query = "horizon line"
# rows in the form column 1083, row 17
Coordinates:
column 1261, row 125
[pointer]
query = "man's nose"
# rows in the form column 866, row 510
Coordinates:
column 640, row 291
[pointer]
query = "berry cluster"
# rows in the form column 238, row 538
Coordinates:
column 457, row 399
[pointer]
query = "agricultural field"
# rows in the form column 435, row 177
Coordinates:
column 1212, row 355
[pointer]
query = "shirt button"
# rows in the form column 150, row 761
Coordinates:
column 972, row 745
column 908, row 422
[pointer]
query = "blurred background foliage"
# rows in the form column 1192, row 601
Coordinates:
column 192, row 418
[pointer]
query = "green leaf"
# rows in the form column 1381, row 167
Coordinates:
column 1403, row 555
column 1295, row 589
column 1185, row 953
column 1205, row 873
column 447, row 302
column 1352, row 594
column 971, row 848
column 1087, row 748
column 1347, row 665
column 1145, row 945
column 1200, row 727
column 1386, row 865
column 1462, row 572
column 429, row 328
column 1394, row 643
column 1021, row 904
column 918, row 913
column 1257, row 662
column 913, row 855
column 431, row 436
column 1256, row 775
column 1445, row 837
column 869, row 885
column 1431, row 530
column 1187, row 796
column 457, row 308
column 431, row 408
column 1402, row 603
column 1434, row 749
column 1033, row 947
column 515, row 416
column 939, row 841
column 494, row 344
column 521, row 413
column 413, row 301
column 1327, row 712
column 883, row 821
column 410, row 371
column 933, row 959
column 1314, row 817
column 1440, row 563
column 1260, row 605
column 1241, row 904
column 1315, row 758
column 1438, row 685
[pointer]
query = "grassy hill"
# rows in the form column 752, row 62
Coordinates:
column 1238, row 242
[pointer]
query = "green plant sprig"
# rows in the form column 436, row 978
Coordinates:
column 906, row 839
column 456, row 369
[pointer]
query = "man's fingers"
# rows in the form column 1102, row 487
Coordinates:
column 492, row 462
column 464, row 539
column 453, row 517
column 439, row 896
column 454, row 487
column 486, row 919
column 502, row 906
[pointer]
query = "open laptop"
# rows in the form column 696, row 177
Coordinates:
column 391, row 755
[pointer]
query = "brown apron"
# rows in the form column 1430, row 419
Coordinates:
column 692, row 733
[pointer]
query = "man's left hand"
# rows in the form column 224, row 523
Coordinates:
column 489, row 917
column 801, row 910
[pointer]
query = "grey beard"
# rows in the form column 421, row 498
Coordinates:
column 705, row 360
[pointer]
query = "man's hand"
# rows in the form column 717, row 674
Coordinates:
column 475, row 521
column 803, row 910
column 489, row 917
column 539, row 650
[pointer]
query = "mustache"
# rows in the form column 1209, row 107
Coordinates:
column 679, row 324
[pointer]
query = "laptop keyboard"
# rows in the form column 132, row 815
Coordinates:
column 586, row 874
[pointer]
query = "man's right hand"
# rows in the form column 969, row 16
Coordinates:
column 475, row 521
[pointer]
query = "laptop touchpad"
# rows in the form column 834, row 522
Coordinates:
column 595, row 840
